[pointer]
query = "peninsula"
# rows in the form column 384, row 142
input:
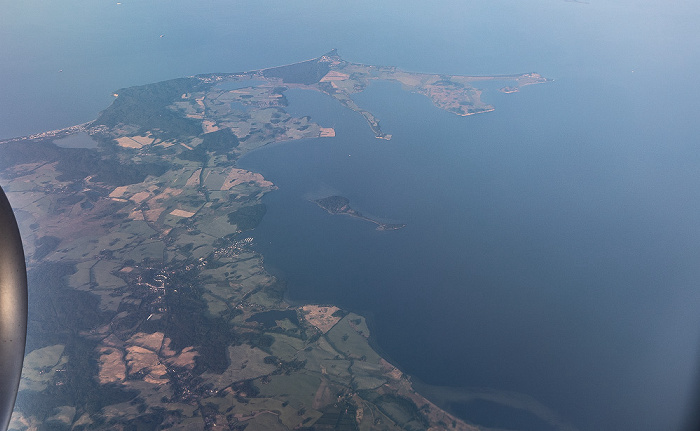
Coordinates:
column 156, row 310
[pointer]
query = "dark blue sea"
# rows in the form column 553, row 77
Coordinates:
column 548, row 271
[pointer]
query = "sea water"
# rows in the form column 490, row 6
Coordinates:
column 547, row 245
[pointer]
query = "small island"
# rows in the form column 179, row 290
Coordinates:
column 341, row 205
column 509, row 90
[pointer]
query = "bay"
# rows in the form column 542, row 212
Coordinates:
column 530, row 263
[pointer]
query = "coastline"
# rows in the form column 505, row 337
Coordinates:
column 184, row 226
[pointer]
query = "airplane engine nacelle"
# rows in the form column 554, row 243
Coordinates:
column 13, row 309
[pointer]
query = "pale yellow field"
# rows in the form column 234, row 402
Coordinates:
column 321, row 317
column 111, row 366
column 182, row 213
column 327, row 132
column 335, row 76
column 135, row 142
